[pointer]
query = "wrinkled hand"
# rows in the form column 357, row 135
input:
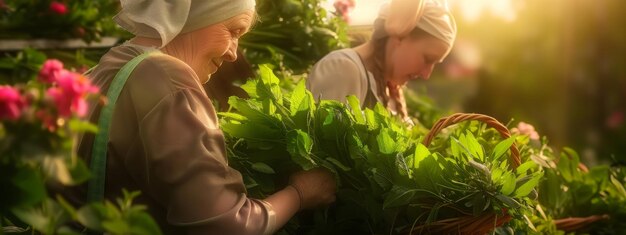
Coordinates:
column 316, row 187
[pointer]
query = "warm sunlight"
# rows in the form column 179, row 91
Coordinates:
column 471, row 10
column 365, row 11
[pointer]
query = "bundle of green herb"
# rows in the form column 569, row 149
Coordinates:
column 388, row 181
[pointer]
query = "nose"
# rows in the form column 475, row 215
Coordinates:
column 231, row 53
column 425, row 74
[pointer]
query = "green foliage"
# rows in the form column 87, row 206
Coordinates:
column 293, row 34
column 87, row 20
column 388, row 181
column 568, row 191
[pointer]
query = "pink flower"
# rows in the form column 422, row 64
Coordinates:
column 526, row 129
column 50, row 70
column 11, row 103
column 70, row 93
column 58, row 8
column 343, row 8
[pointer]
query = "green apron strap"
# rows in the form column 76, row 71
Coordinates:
column 95, row 187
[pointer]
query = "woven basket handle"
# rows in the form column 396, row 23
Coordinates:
column 460, row 117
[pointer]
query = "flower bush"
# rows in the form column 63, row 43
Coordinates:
column 40, row 118
column 88, row 20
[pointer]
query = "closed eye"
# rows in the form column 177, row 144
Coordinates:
column 237, row 33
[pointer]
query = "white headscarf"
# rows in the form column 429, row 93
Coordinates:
column 432, row 16
column 165, row 19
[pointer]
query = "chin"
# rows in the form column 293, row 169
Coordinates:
column 208, row 77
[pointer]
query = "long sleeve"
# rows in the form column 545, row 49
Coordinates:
column 187, row 171
column 166, row 142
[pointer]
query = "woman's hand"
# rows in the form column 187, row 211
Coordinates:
column 307, row 189
column 315, row 187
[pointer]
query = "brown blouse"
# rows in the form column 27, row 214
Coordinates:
column 165, row 141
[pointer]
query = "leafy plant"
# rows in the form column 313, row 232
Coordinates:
column 569, row 190
column 88, row 20
column 388, row 181
column 293, row 34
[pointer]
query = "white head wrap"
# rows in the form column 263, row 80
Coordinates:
column 432, row 16
column 165, row 19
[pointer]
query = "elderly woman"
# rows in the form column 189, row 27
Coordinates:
column 410, row 37
column 159, row 132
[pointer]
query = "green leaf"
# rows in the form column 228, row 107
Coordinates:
column 573, row 161
column 421, row 152
column 455, row 148
column 298, row 96
column 475, row 147
column 356, row 109
column 302, row 105
column 269, row 87
column 233, row 116
column 299, row 145
column 142, row 224
column 250, row 130
column 91, row 216
column 386, row 144
column 116, row 226
column 263, row 168
column 251, row 88
column 371, row 120
column 550, row 189
column 508, row 201
column 77, row 125
column 564, row 166
column 69, row 209
column 522, row 169
column 338, row 164
column 525, row 188
column 508, row 183
column 398, row 196
column 381, row 110
column 64, row 230
column 619, row 186
column 27, row 187
column 502, row 147
column 496, row 174
column 33, row 217
column 78, row 171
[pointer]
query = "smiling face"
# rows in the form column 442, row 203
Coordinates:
column 217, row 43
column 412, row 57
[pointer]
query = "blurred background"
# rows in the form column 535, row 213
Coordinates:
column 559, row 65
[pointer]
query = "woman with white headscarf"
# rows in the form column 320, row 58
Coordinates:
column 159, row 132
column 410, row 37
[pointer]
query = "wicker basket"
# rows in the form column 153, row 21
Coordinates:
column 481, row 224
column 573, row 224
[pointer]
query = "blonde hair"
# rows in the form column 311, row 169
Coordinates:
column 379, row 41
